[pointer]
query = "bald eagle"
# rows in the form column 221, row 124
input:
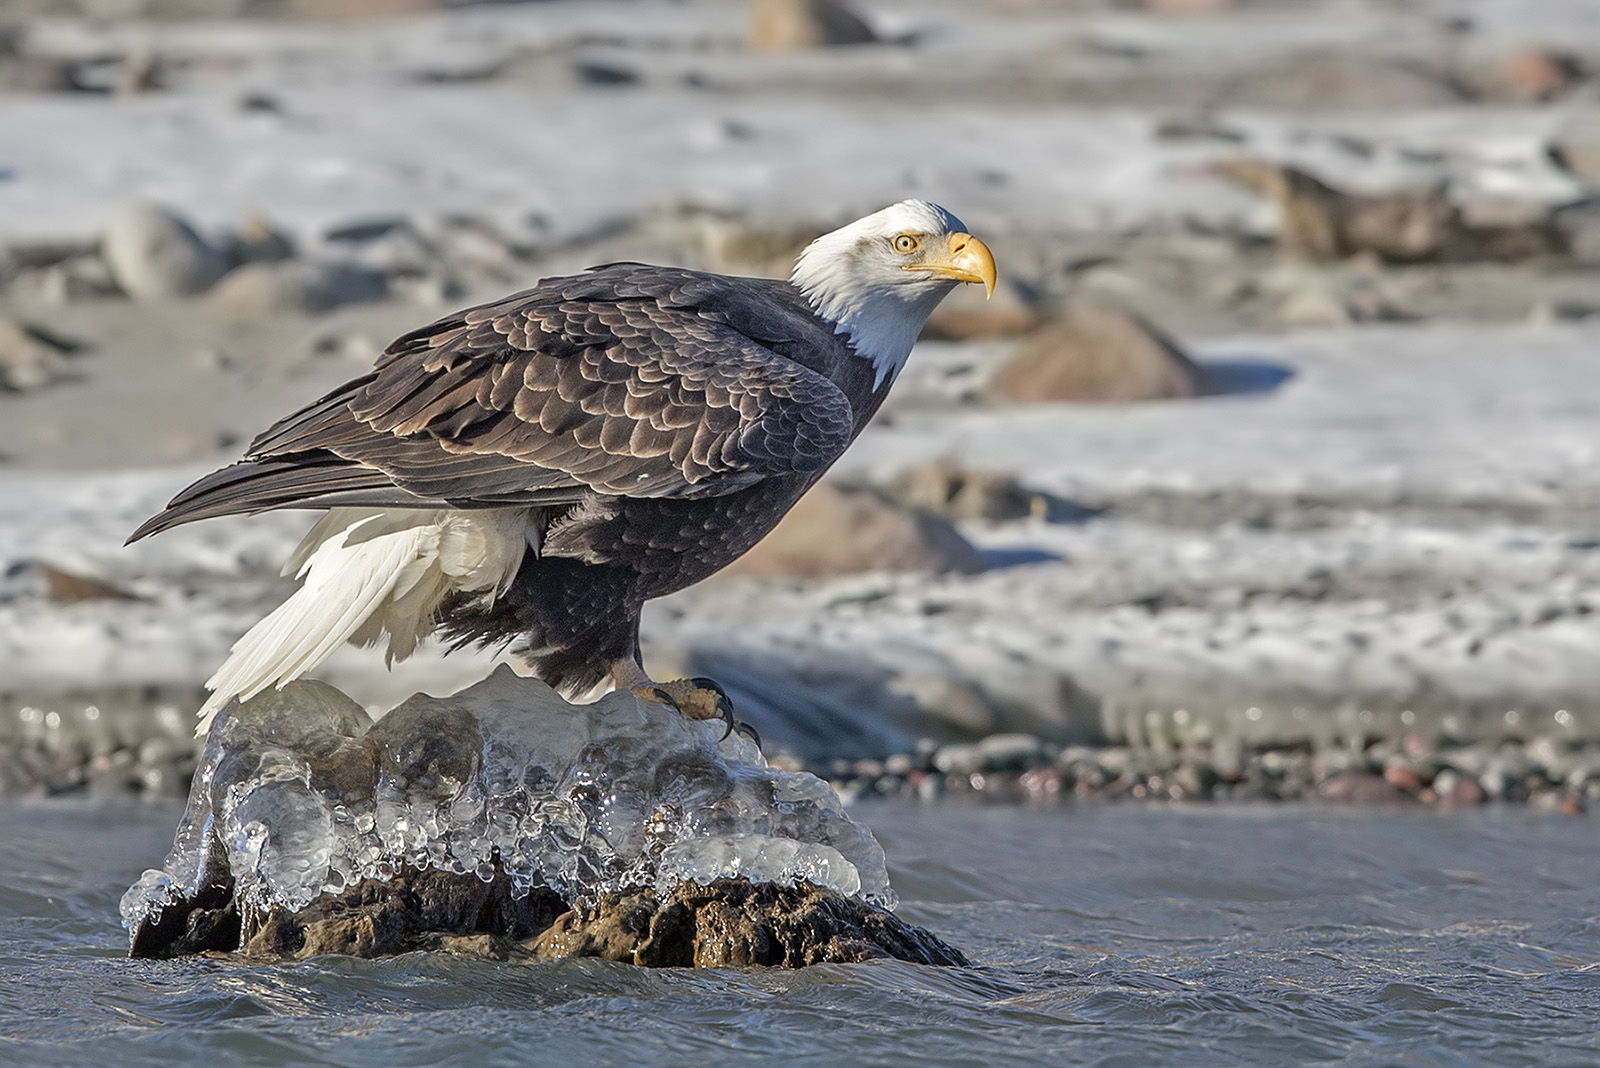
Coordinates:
column 535, row 469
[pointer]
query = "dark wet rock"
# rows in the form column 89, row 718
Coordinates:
column 1095, row 354
column 410, row 911
column 788, row 25
column 732, row 923
column 837, row 531
column 155, row 254
column 208, row 921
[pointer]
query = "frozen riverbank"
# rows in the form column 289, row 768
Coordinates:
column 1394, row 541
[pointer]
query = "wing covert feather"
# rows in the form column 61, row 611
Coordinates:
column 619, row 381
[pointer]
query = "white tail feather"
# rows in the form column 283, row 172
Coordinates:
column 369, row 572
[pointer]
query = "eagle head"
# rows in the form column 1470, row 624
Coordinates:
column 879, row 278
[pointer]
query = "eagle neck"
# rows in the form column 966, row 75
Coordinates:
column 881, row 324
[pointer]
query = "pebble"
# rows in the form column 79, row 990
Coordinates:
column 1011, row 752
column 959, row 759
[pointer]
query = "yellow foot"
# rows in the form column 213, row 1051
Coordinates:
column 695, row 698
column 698, row 698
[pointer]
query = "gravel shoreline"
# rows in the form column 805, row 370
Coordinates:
column 1546, row 772
column 148, row 753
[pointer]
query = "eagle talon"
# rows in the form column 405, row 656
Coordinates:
column 698, row 698
column 701, row 682
column 724, row 705
column 749, row 732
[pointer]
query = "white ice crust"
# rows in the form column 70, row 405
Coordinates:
column 299, row 794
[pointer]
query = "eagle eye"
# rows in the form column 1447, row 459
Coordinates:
column 906, row 243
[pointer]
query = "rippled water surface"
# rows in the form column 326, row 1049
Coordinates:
column 1110, row 936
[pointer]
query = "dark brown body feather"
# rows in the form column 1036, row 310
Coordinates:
column 655, row 422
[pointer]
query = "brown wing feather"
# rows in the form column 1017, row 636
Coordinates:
column 630, row 380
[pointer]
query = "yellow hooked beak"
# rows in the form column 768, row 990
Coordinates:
column 968, row 260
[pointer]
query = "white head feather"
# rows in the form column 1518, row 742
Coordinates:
column 854, row 278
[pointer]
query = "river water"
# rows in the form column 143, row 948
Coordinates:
column 1114, row 936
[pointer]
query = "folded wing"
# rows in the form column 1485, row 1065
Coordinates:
column 628, row 380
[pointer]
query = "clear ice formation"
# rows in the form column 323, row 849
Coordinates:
column 299, row 792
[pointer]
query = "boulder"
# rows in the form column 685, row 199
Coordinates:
column 790, row 25
column 154, row 254
column 733, row 923
column 956, row 492
column 1095, row 354
column 266, row 288
column 966, row 315
column 1535, row 75
column 1320, row 223
column 838, row 531
column 1343, row 80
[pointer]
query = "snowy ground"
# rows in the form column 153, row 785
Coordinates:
column 1401, row 533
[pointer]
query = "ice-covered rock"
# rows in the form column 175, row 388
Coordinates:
column 299, row 794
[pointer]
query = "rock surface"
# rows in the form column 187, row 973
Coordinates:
column 154, row 254
column 731, row 923
column 1095, row 354
column 783, row 25
column 734, row 924
column 837, row 531
column 1318, row 222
